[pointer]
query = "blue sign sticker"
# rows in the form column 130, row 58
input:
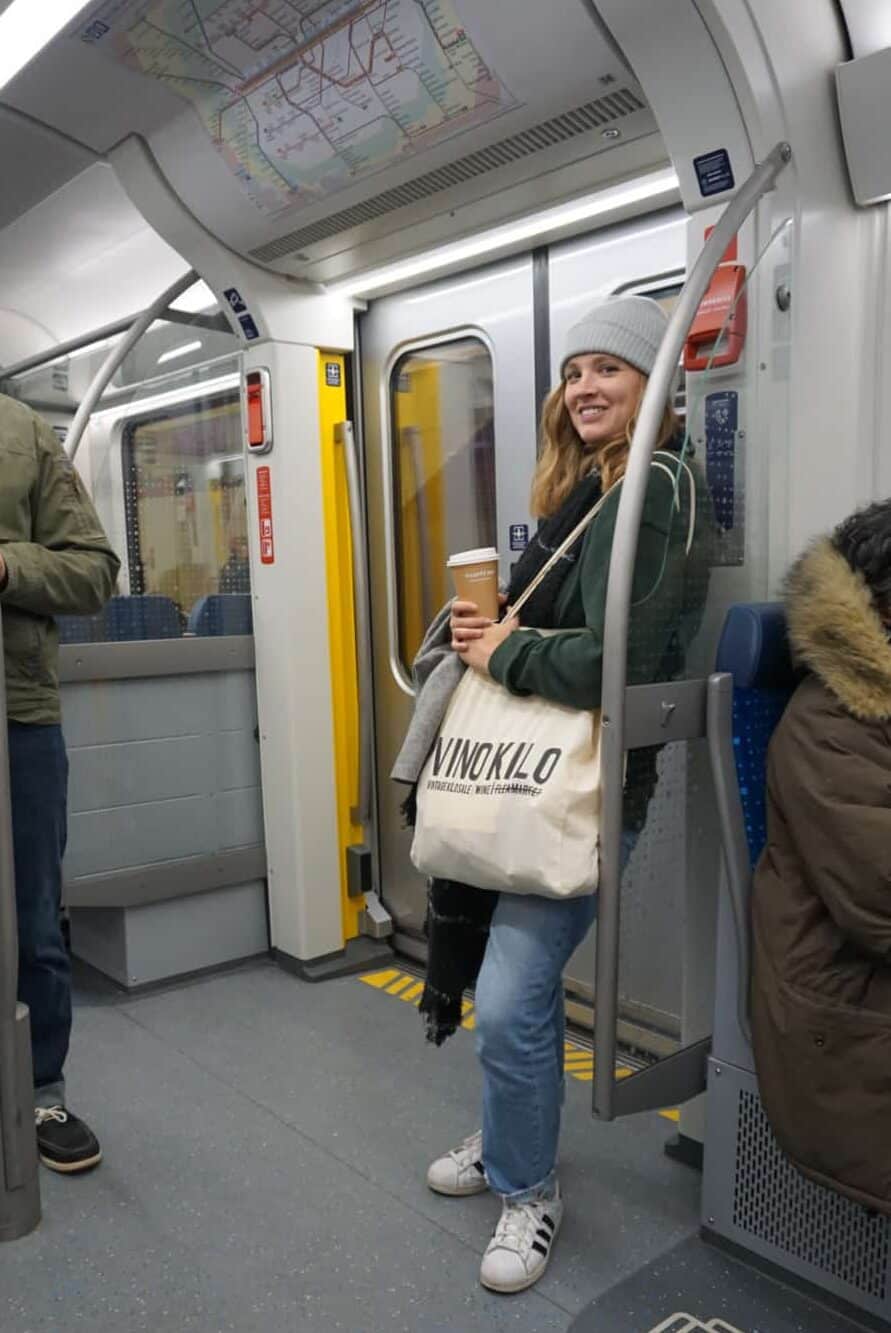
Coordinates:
column 519, row 536
column 721, row 420
column 250, row 329
column 235, row 299
column 714, row 172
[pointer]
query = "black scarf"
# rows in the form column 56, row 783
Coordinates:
column 458, row 915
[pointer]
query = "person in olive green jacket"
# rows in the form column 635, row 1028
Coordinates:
column 54, row 560
column 521, row 943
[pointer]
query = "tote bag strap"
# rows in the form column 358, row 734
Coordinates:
column 560, row 552
column 589, row 518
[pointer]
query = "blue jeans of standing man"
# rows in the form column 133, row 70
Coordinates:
column 38, row 770
column 520, row 1033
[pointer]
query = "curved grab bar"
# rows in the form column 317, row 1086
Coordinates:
column 115, row 356
column 345, row 435
column 618, row 607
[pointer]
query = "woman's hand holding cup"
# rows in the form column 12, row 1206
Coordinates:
column 466, row 623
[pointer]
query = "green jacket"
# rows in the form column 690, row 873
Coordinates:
column 667, row 601
column 58, row 560
column 668, row 593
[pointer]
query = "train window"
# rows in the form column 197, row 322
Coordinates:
column 184, row 491
column 443, row 446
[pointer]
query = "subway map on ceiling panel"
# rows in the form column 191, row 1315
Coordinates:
column 304, row 97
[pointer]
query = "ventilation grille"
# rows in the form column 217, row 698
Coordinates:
column 774, row 1202
column 602, row 111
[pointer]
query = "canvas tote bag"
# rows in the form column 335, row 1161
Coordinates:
column 509, row 798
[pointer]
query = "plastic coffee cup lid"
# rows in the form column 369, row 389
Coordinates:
column 472, row 557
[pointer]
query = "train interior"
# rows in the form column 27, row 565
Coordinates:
column 291, row 280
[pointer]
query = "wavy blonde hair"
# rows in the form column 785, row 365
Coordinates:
column 564, row 459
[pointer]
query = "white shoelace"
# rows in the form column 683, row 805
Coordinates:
column 44, row 1113
column 518, row 1226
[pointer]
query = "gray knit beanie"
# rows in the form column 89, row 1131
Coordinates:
column 630, row 327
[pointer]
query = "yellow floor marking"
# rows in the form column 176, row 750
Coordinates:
column 380, row 979
column 579, row 1061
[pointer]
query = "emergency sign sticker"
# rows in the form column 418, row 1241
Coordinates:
column 714, row 172
column 519, row 536
column 332, row 374
column 264, row 508
column 249, row 327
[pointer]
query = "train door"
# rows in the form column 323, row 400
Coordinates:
column 449, row 410
column 449, row 376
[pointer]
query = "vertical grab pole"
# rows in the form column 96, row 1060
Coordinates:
column 19, row 1189
column 344, row 435
column 618, row 608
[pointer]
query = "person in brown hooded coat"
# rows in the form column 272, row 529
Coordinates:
column 821, row 990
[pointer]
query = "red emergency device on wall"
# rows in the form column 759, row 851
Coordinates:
column 725, row 296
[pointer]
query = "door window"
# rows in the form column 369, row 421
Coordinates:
column 443, row 448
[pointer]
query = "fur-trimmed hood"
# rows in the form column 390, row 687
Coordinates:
column 836, row 631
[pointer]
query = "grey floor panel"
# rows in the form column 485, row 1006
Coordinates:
column 212, row 1213
column 266, row 1142
column 714, row 1291
column 349, row 1067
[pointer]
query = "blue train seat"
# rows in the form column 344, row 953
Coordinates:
column 123, row 619
column 754, row 650
column 747, row 694
column 222, row 613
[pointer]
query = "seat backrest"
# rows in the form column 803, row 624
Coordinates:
column 754, row 650
column 222, row 613
column 144, row 616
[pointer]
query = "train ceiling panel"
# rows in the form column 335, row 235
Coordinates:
column 43, row 162
column 300, row 130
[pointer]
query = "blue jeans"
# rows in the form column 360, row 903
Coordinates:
column 38, row 769
column 520, row 1034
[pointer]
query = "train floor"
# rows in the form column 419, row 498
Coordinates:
column 265, row 1146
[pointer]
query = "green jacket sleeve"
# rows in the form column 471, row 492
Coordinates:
column 567, row 667
column 68, row 567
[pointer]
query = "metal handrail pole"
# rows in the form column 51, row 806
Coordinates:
column 618, row 610
column 9, row 964
column 345, row 435
column 116, row 355
column 61, row 350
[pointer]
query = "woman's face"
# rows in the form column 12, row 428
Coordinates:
column 601, row 394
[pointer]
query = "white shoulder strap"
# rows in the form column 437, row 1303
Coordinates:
column 592, row 513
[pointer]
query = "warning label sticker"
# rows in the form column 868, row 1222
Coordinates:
column 264, row 507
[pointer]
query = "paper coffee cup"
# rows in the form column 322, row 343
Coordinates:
column 475, row 575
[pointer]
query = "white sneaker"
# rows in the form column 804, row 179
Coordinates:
column 518, row 1253
column 461, row 1170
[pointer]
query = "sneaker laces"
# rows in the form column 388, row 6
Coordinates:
column 470, row 1150
column 44, row 1113
column 518, row 1225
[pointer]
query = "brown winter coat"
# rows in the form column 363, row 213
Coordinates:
column 821, row 993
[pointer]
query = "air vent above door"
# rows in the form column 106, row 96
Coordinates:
column 592, row 115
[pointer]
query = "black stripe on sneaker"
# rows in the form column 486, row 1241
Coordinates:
column 478, row 1166
column 544, row 1235
column 549, row 1220
column 542, row 1249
